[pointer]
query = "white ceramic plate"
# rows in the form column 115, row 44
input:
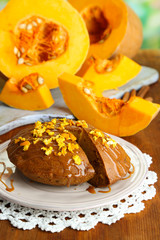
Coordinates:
column 36, row 195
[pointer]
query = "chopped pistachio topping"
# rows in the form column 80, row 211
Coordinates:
column 77, row 159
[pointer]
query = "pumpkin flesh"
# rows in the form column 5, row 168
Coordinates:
column 109, row 74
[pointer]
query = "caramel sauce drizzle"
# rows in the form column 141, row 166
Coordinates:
column 91, row 189
column 9, row 189
column 106, row 191
column 130, row 172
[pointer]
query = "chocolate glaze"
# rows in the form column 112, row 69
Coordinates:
column 53, row 170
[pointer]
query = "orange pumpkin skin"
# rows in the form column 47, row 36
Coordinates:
column 109, row 74
column 124, row 33
column 41, row 36
column 110, row 115
column 36, row 97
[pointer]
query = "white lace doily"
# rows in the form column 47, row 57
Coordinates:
column 27, row 218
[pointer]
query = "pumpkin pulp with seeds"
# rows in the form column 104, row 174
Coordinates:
column 30, row 93
column 43, row 38
column 97, row 25
column 38, row 40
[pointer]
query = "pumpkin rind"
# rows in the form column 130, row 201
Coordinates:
column 126, row 35
column 131, row 118
column 61, row 13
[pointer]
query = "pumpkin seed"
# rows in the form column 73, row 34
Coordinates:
column 27, row 63
column 22, row 26
column 109, row 69
column 29, row 26
column 34, row 24
column 18, row 54
column 39, row 20
column 20, row 61
column 87, row 91
column 25, row 90
column 15, row 50
column 29, row 87
column 40, row 80
column 22, row 50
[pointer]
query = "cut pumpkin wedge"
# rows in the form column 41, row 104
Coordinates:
column 109, row 74
column 110, row 115
column 31, row 93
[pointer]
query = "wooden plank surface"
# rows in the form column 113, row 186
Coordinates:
column 141, row 226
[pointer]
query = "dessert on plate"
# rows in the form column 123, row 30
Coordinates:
column 67, row 152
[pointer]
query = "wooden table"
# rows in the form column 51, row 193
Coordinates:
column 144, row 225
